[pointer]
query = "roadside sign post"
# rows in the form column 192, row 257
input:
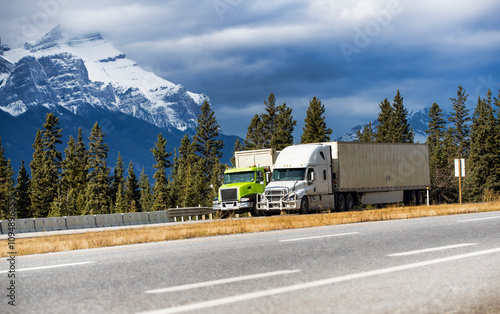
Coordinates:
column 460, row 172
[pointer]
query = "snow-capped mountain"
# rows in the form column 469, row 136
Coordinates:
column 84, row 80
column 77, row 72
column 418, row 120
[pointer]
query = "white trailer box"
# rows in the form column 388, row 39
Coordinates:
column 322, row 176
column 256, row 158
column 370, row 167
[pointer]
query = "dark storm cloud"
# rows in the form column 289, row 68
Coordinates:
column 350, row 54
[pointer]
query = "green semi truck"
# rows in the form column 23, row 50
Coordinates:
column 242, row 184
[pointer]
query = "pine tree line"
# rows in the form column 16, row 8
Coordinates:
column 80, row 181
column 475, row 138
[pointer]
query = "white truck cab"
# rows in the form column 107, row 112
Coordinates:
column 301, row 180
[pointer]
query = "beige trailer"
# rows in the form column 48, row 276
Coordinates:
column 380, row 172
column 339, row 175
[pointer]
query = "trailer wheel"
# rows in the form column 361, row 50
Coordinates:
column 420, row 197
column 341, row 203
column 304, row 206
column 349, row 202
column 413, row 198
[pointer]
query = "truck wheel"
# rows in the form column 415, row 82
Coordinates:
column 256, row 213
column 341, row 203
column 420, row 198
column 349, row 202
column 304, row 206
column 413, row 198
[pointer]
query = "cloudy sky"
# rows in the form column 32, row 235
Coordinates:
column 349, row 54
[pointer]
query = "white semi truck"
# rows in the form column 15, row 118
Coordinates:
column 340, row 175
column 242, row 184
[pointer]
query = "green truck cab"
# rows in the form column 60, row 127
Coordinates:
column 242, row 184
column 240, row 188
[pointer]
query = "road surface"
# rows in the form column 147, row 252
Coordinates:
column 426, row 265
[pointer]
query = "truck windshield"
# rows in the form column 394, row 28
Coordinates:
column 239, row 177
column 289, row 174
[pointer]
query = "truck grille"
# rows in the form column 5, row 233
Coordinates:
column 229, row 195
column 274, row 197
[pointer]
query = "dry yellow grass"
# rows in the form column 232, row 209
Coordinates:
column 58, row 243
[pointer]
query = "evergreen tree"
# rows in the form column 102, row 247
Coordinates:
column 208, row 147
column 366, row 135
column 459, row 131
column 283, row 130
column 440, row 179
column 51, row 136
column 216, row 182
column 97, row 191
column 11, row 190
column 120, row 205
column 160, row 190
column 22, row 193
column 269, row 122
column 254, row 138
column 7, row 190
column 483, row 162
column 385, row 127
column 117, row 178
column 237, row 148
column 132, row 191
column 40, row 205
column 315, row 129
column 74, row 177
column 403, row 133
column 4, row 190
column 186, row 177
column 146, row 194
column 435, row 133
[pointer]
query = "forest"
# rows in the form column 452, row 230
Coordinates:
column 79, row 181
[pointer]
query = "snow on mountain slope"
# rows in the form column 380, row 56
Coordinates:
column 101, row 76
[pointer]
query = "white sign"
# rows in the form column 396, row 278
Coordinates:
column 462, row 167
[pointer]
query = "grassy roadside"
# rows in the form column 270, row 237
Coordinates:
column 58, row 243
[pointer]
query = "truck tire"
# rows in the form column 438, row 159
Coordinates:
column 256, row 213
column 341, row 203
column 304, row 206
column 413, row 198
column 349, row 202
column 420, row 197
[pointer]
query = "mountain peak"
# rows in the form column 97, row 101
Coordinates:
column 60, row 69
column 55, row 37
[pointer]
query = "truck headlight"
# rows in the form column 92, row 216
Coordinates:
column 244, row 199
column 292, row 197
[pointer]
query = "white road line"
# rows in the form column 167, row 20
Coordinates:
column 432, row 249
column 319, row 237
column 46, row 267
column 222, row 281
column 313, row 284
column 475, row 219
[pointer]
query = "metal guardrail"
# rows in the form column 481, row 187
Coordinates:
column 174, row 213
column 109, row 220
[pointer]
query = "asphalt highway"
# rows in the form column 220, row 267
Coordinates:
column 428, row 265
